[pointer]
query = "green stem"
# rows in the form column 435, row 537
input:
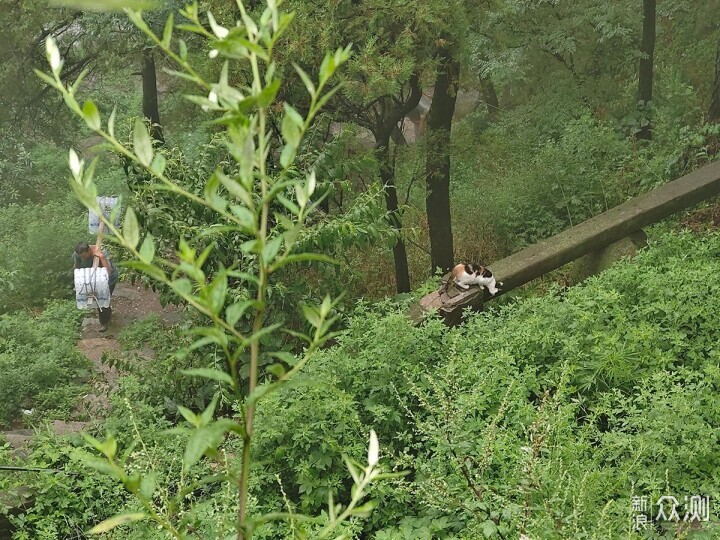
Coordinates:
column 259, row 317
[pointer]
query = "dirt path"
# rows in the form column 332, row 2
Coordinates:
column 129, row 303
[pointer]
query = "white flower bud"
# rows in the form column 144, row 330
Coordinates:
column 220, row 31
column 75, row 163
column 53, row 54
column 373, row 449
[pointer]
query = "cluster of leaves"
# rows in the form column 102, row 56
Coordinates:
column 37, row 242
column 543, row 418
column 244, row 200
column 38, row 356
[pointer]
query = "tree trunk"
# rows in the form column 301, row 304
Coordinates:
column 646, row 62
column 490, row 98
column 437, row 163
column 713, row 115
column 387, row 175
column 150, row 95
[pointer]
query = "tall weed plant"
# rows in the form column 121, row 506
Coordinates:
column 244, row 202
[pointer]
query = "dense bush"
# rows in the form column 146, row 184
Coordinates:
column 37, row 242
column 543, row 418
column 38, row 354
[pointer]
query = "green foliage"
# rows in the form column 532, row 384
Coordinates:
column 243, row 201
column 38, row 358
column 66, row 498
column 37, row 242
column 542, row 418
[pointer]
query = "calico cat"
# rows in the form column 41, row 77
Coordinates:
column 464, row 275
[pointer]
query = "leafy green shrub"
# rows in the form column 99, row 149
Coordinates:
column 541, row 417
column 36, row 242
column 38, row 354
column 65, row 498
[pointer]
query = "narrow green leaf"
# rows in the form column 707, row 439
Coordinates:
column 277, row 369
column 292, row 125
column 147, row 250
column 101, row 466
column 79, row 79
column 287, row 203
column 131, row 228
column 271, row 249
column 91, row 115
column 287, row 155
column 147, row 485
column 211, row 193
column 209, row 373
column 158, row 164
column 106, row 5
column 205, row 438
column 168, row 30
column 301, row 195
column 149, row 269
column 215, row 335
column 190, row 416
column 262, row 332
column 53, row 54
column 259, row 392
column 247, row 219
column 325, row 306
column 142, row 143
column 47, row 78
column 244, row 276
column 92, row 441
column 327, row 68
column 305, row 79
column 298, row 335
column 207, row 414
column 235, row 311
column 267, row 96
column 111, row 122
column 182, row 285
column 311, row 315
column 236, row 189
column 109, row 447
column 352, row 469
column 364, row 510
column 286, row 357
column 218, row 290
column 303, row 257
column 251, row 246
column 183, row 49
column 116, row 521
column 311, row 183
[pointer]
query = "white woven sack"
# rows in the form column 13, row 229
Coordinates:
column 107, row 204
column 91, row 288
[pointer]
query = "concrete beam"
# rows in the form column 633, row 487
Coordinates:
column 589, row 236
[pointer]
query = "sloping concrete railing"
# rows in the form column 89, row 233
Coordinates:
column 587, row 237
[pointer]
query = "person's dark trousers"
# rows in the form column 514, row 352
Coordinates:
column 106, row 313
